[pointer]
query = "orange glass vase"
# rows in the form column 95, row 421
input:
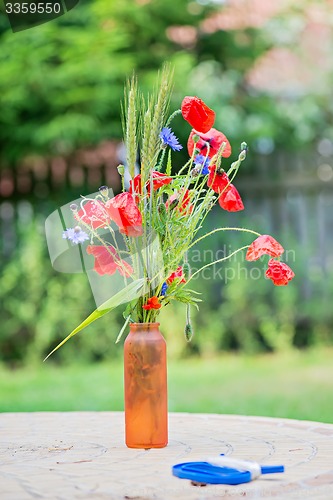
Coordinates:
column 145, row 374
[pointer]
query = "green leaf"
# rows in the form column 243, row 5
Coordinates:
column 123, row 329
column 169, row 166
column 129, row 293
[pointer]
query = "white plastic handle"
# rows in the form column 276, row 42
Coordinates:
column 241, row 465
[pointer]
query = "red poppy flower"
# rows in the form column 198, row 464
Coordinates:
column 264, row 244
column 107, row 261
column 159, row 180
column 152, row 303
column 178, row 274
column 214, row 138
column 197, row 114
column 279, row 272
column 181, row 202
column 135, row 185
column 94, row 214
column 124, row 212
column 217, row 181
column 230, row 199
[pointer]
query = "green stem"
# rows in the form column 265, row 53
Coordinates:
column 171, row 117
column 216, row 262
column 241, row 229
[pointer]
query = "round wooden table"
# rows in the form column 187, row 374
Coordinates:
column 82, row 455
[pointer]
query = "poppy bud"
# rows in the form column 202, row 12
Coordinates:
column 186, row 270
column 242, row 155
column 162, row 212
column 188, row 332
column 244, row 146
column 161, row 209
column 104, row 190
column 173, row 204
column 121, row 170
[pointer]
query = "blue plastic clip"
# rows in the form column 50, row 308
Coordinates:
column 223, row 470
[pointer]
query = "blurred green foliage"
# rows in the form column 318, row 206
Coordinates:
column 39, row 306
column 61, row 82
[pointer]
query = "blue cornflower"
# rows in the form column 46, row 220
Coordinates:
column 164, row 288
column 202, row 161
column 75, row 235
column 169, row 139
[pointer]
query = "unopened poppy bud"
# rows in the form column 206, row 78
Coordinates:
column 242, row 155
column 73, row 207
column 161, row 209
column 173, row 204
column 121, row 170
column 186, row 270
column 244, row 146
column 188, row 332
column 104, row 190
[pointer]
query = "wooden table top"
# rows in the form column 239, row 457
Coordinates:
column 82, row 455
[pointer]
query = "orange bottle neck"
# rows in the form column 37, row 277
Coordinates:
column 134, row 327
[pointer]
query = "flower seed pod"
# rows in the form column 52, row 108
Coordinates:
column 188, row 332
column 161, row 209
column 173, row 204
column 73, row 207
column 104, row 190
column 186, row 270
column 121, row 169
column 242, row 155
column 195, row 172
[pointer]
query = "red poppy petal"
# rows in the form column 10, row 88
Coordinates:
column 124, row 212
column 152, row 303
column 94, row 214
column 216, row 181
column 279, row 272
column 264, row 245
column 230, row 199
column 197, row 114
column 159, row 180
column 104, row 258
column 135, row 185
column 176, row 275
column 214, row 137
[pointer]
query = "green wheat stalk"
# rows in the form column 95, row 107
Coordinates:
column 130, row 123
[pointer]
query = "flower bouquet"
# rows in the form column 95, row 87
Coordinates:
column 143, row 236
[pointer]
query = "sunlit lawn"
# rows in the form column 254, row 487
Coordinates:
column 293, row 385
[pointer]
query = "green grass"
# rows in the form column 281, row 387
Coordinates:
column 292, row 385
